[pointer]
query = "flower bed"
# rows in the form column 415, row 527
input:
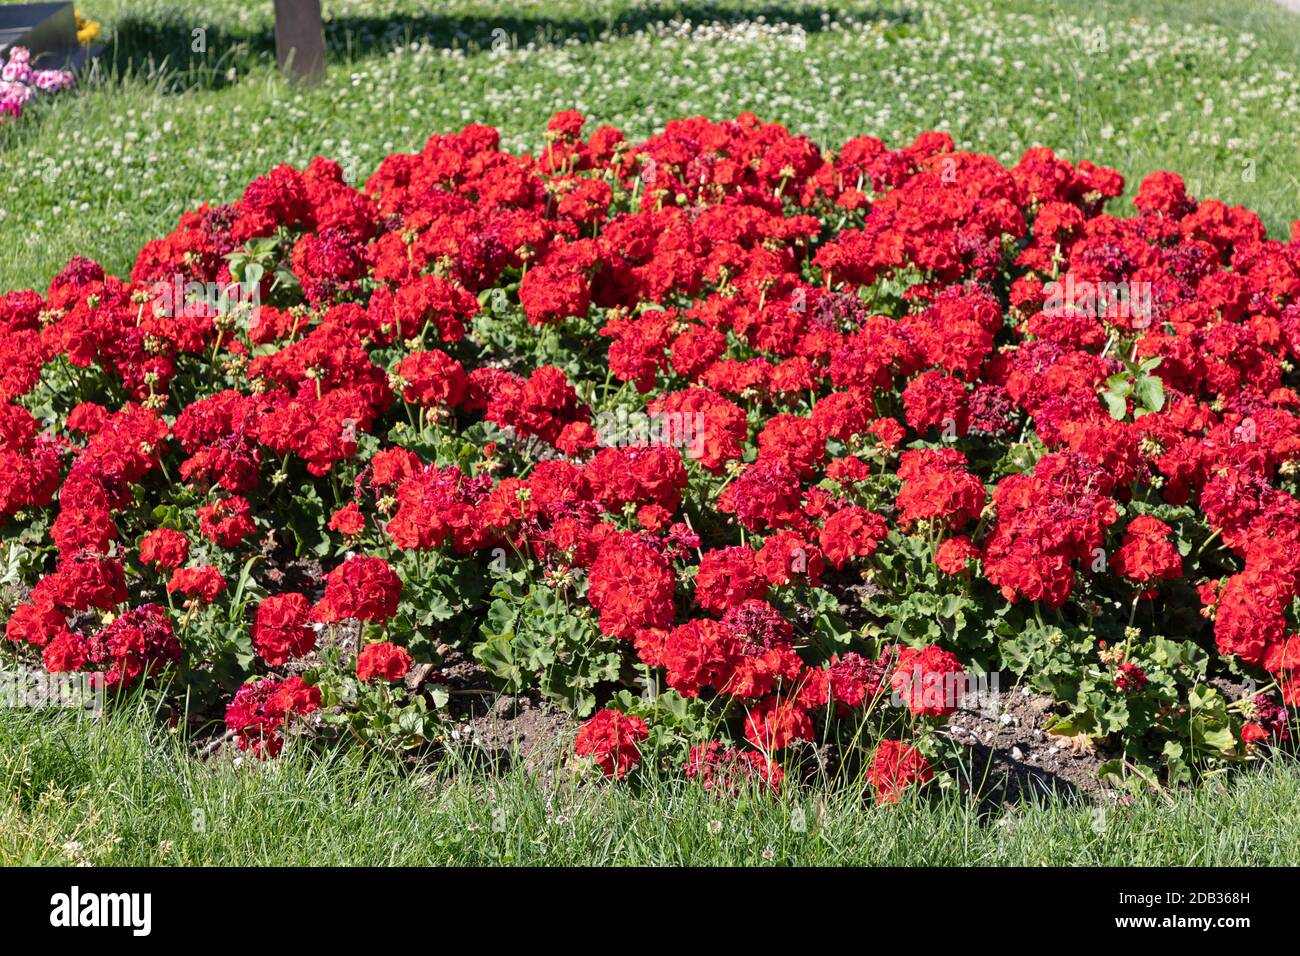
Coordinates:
column 751, row 455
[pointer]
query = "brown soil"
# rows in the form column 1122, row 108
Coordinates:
column 281, row 570
column 1012, row 757
column 502, row 729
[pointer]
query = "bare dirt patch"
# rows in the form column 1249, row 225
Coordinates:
column 503, row 729
column 1012, row 757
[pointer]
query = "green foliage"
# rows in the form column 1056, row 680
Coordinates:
column 533, row 639
column 1135, row 383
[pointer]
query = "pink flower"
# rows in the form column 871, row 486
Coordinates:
column 51, row 81
column 16, row 72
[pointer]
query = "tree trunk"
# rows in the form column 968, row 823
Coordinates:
column 300, row 40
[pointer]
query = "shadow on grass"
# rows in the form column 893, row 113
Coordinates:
column 180, row 54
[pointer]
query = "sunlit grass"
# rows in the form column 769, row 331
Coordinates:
column 125, row 791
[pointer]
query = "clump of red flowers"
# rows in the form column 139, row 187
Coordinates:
column 282, row 628
column 382, row 661
column 363, row 588
column 895, row 767
column 612, row 738
column 789, row 435
column 260, row 710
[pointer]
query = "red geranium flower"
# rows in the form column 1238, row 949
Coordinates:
column 165, row 549
column 203, row 583
column 895, row 767
column 382, row 661
column 363, row 588
column 611, row 738
column 282, row 628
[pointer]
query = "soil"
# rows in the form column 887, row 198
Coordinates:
column 502, row 729
column 1013, row 758
column 281, row 570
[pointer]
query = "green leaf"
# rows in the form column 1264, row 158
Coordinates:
column 1112, row 771
column 1151, row 393
column 1115, row 718
column 1072, row 725
column 1120, row 384
column 1220, row 739
column 1115, row 405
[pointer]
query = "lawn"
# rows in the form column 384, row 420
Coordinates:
column 124, row 792
column 186, row 107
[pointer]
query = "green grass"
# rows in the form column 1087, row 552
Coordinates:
column 123, row 791
column 1209, row 88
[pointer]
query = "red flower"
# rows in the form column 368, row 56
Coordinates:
column 631, row 587
column 282, row 628
column 953, row 554
column 937, row 485
column 348, row 520
column 84, row 581
column 87, row 418
column 851, row 533
column 723, row 770
column 767, row 494
column 137, row 643
column 796, row 441
column 553, row 292
column 34, row 623
column 165, row 549
column 611, row 738
column 930, row 680
column 728, row 577
column 1047, row 523
column 202, row 583
column 936, row 400
column 382, row 661
column 774, row 724
column 786, row 557
column 366, row 589
column 894, row 768
column 260, row 710
column 1147, row 554
column 637, row 475
column 433, row 378
column 849, row 681
column 65, row 653
column 431, row 299
column 392, row 466
column 227, row 522
column 1130, row 678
